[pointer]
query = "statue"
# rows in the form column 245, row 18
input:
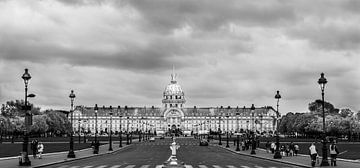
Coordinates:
column 173, row 148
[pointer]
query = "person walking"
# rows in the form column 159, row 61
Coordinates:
column 333, row 153
column 313, row 154
column 272, row 147
column 297, row 148
column 34, row 144
column 267, row 146
column 40, row 149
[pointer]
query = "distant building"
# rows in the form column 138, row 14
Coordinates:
column 174, row 117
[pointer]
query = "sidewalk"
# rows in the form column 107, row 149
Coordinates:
column 53, row 158
column 300, row 160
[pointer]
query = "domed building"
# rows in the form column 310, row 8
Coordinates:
column 174, row 117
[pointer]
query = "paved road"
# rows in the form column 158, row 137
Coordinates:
column 154, row 154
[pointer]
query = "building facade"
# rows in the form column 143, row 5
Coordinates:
column 174, row 117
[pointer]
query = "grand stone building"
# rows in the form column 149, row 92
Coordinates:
column 174, row 116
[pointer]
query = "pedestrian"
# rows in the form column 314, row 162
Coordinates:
column 272, row 147
column 33, row 148
column 296, row 148
column 282, row 150
column 267, row 146
column 234, row 141
column 292, row 149
column 40, row 149
column 333, row 153
column 313, row 154
column 287, row 149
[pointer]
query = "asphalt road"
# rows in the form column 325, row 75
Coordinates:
column 154, row 154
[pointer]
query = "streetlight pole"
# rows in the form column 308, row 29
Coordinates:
column 120, row 132
column 219, row 131
column 26, row 161
column 238, row 132
column 110, row 140
column 79, row 128
column 277, row 154
column 96, row 147
column 71, row 153
column 322, row 81
column 227, row 131
column 253, row 144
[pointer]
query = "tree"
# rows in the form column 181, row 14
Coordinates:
column 346, row 113
column 316, row 107
column 39, row 124
column 15, row 108
column 57, row 122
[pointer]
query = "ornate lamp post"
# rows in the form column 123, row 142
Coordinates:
column 96, row 147
column 238, row 132
column 79, row 122
column 253, row 144
column 120, row 132
column 220, row 131
column 322, row 81
column 71, row 153
column 227, row 130
column 277, row 154
column 28, row 121
column 127, row 126
column 110, row 132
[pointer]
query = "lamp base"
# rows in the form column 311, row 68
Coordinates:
column 24, row 159
column 277, row 155
column 71, row 154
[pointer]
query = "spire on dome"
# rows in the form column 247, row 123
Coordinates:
column 173, row 75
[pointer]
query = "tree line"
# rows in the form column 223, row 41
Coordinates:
column 338, row 122
column 46, row 123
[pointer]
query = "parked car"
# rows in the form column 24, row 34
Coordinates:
column 152, row 139
column 204, row 142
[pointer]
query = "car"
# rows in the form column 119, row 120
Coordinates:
column 152, row 139
column 204, row 142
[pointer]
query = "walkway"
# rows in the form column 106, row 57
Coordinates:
column 53, row 158
column 300, row 160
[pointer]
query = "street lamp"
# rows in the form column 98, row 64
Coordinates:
column 96, row 147
column 227, row 130
column 237, row 130
column 253, row 144
column 127, row 126
column 79, row 121
column 28, row 121
column 219, row 131
column 322, row 81
column 120, row 133
column 110, row 140
column 71, row 153
column 277, row 154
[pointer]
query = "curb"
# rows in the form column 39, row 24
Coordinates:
column 80, row 158
column 260, row 157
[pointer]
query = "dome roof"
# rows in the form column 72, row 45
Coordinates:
column 173, row 89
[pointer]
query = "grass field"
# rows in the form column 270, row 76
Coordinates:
column 9, row 149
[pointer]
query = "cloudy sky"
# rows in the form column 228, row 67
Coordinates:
column 233, row 53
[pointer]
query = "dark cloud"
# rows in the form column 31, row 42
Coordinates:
column 334, row 37
column 163, row 16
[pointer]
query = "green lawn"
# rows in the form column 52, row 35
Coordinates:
column 9, row 149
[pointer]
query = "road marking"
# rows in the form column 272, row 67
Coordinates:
column 64, row 166
column 245, row 166
column 159, row 166
column 102, row 166
column 202, row 166
column 130, row 166
column 230, row 166
column 259, row 166
column 216, row 166
column 74, row 167
column 188, row 166
column 115, row 166
column 145, row 166
column 87, row 166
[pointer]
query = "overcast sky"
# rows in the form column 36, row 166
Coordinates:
column 233, row 53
